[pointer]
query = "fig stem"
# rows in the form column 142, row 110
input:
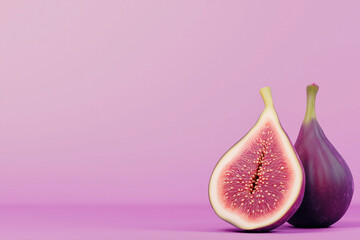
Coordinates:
column 266, row 95
column 311, row 91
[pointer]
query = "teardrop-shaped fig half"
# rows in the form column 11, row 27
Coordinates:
column 258, row 184
column 329, row 184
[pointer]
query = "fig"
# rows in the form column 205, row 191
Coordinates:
column 329, row 184
column 258, row 184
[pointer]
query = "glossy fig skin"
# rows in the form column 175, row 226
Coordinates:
column 329, row 184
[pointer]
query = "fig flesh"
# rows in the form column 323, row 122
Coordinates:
column 329, row 184
column 258, row 184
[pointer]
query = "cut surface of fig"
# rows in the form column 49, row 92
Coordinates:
column 258, row 184
column 257, row 181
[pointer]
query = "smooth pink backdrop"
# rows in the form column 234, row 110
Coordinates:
column 135, row 101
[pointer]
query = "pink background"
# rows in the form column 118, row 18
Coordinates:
column 114, row 113
column 134, row 102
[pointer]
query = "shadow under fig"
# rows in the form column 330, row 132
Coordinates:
column 289, row 229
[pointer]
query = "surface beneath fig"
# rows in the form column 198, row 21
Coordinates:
column 176, row 222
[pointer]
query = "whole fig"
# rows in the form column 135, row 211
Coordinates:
column 329, row 184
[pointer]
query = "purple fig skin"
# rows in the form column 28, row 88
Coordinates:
column 329, row 184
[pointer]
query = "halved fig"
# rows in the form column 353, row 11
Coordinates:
column 258, row 184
